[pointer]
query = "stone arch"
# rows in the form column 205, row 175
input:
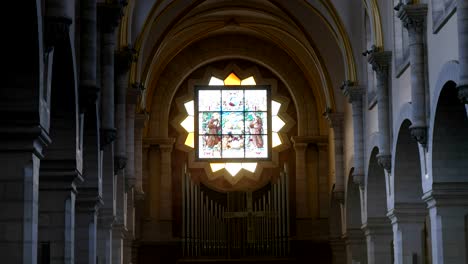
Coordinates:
column 407, row 168
column 449, row 144
column 209, row 50
column 376, row 199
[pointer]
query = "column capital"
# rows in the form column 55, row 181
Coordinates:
column 164, row 144
column 56, row 31
column 108, row 135
column 335, row 120
column 339, row 196
column 140, row 120
column 380, row 61
column 463, row 93
column 119, row 163
column 109, row 14
column 447, row 194
column 359, row 179
column 310, row 139
column 353, row 92
column 413, row 16
column 385, row 161
column 407, row 213
column 377, row 225
column 132, row 95
column 419, row 133
column 124, row 57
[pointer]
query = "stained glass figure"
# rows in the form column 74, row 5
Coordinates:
column 232, row 123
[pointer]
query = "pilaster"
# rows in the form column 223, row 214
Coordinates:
column 448, row 207
column 109, row 15
column 380, row 61
column 379, row 236
column 355, row 97
column 87, row 206
column 140, row 120
column 408, row 225
column 413, row 17
column 302, row 204
column 335, row 121
column 355, row 246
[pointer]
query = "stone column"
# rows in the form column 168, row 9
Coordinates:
column 462, row 22
column 88, row 54
column 408, row 226
column 448, row 207
column 302, row 205
column 379, row 240
column 119, row 228
column 20, row 160
column 338, row 247
column 86, row 231
column 165, row 197
column 355, row 94
column 336, row 123
column 132, row 98
column 380, row 61
column 355, row 246
column 105, row 238
column 139, row 126
column 57, row 210
column 108, row 20
column 130, row 235
column 413, row 17
column 123, row 60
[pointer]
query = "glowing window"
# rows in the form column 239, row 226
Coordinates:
column 237, row 134
column 233, row 122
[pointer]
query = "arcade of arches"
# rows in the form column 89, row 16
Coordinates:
column 256, row 131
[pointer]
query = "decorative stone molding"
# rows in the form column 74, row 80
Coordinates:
column 123, row 59
column 109, row 14
column 119, row 163
column 56, row 31
column 385, row 161
column 419, row 134
column 413, row 17
column 107, row 136
column 380, row 61
column 463, row 93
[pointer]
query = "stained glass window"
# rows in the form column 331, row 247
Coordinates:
column 234, row 122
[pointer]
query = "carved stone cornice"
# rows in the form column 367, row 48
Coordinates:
column 140, row 120
column 109, row 14
column 124, row 58
column 380, row 61
column 164, row 144
column 463, row 93
column 119, row 163
column 339, row 196
column 309, row 139
column 56, row 31
column 88, row 96
column 108, row 135
column 359, row 180
column 419, row 134
column 335, row 120
column 132, row 95
column 385, row 161
column 413, row 17
column 353, row 92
